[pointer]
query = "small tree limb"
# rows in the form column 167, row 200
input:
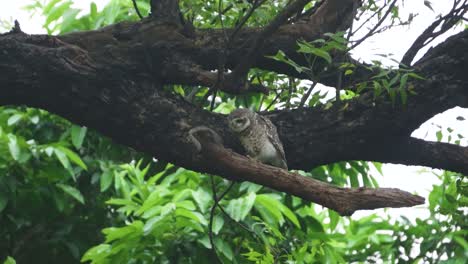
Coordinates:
column 445, row 22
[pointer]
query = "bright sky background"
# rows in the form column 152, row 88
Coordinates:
column 395, row 41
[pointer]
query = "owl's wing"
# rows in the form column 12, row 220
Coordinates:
column 274, row 138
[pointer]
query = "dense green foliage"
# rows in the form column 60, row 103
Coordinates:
column 69, row 194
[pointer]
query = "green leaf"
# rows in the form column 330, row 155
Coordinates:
column 270, row 204
column 280, row 56
column 309, row 49
column 93, row 10
column 238, row 209
column 290, row 215
column 73, row 157
column 106, row 180
column 202, row 198
column 152, row 223
column 113, row 233
column 218, row 223
column 97, row 252
column 439, row 135
column 78, row 134
column 14, row 119
column 9, row 260
column 353, row 179
column 460, row 240
column 56, row 12
column 224, row 248
column 3, row 200
column 49, row 6
column 334, row 219
column 72, row 191
column 62, row 157
column 416, row 76
column 14, row 147
column 197, row 217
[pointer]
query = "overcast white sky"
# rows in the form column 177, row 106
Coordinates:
column 395, row 41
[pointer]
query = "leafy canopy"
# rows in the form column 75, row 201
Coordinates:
column 69, row 194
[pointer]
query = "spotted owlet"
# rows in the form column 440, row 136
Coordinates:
column 258, row 136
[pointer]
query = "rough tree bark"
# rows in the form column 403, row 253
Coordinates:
column 112, row 80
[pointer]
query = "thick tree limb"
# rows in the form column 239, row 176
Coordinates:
column 166, row 11
column 112, row 84
column 165, row 44
column 246, row 63
column 45, row 72
column 432, row 154
column 345, row 201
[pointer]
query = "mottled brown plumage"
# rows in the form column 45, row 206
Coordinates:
column 258, row 136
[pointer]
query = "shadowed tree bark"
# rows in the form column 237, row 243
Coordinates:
column 112, row 80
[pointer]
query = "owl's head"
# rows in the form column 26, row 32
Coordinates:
column 239, row 120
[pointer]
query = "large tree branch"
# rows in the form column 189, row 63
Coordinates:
column 164, row 44
column 248, row 61
column 345, row 201
column 34, row 66
column 432, row 154
column 108, row 83
column 166, row 11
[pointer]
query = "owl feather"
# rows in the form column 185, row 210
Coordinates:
column 258, row 136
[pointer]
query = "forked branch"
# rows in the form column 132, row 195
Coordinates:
column 437, row 28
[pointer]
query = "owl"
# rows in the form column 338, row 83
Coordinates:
column 258, row 136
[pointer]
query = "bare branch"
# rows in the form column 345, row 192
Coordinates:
column 358, row 42
column 445, row 22
column 137, row 10
column 307, row 94
column 345, row 201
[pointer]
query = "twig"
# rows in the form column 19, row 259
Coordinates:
column 339, row 81
column 222, row 58
column 290, row 92
column 307, row 94
column 212, row 211
column 368, row 19
column 210, row 224
column 135, row 6
column 357, row 43
column 274, row 100
column 244, row 19
column 448, row 21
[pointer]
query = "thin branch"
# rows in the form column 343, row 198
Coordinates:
column 212, row 211
column 291, row 84
column 135, row 6
column 369, row 18
column 216, row 200
column 358, row 42
column 307, row 94
column 274, row 100
column 447, row 21
column 244, row 19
